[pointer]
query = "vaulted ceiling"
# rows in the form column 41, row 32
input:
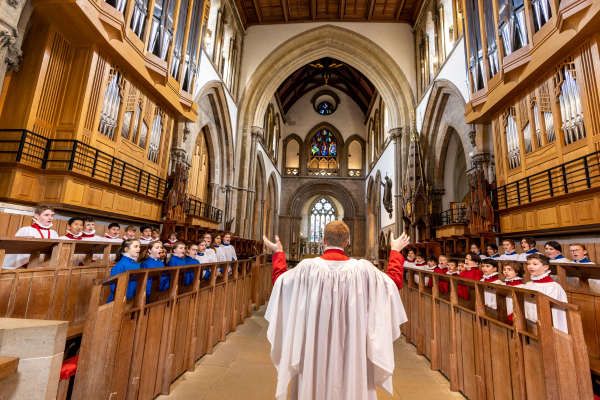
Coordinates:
column 262, row 12
column 326, row 72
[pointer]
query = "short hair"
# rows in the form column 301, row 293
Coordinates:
column 517, row 267
column 174, row 233
column 420, row 255
column 71, row 220
column 578, row 244
column 336, row 234
column 453, row 262
column 538, row 256
column 554, row 244
column 446, row 256
column 432, row 258
column 114, row 224
column 228, row 233
column 491, row 262
column 475, row 257
column 155, row 229
column 409, row 250
column 492, row 246
column 144, row 227
column 529, row 240
column 509, row 241
column 89, row 218
column 130, row 228
column 41, row 208
column 461, row 262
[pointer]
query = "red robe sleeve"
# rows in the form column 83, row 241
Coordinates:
column 396, row 268
column 279, row 265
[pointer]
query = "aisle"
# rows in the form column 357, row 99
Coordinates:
column 241, row 369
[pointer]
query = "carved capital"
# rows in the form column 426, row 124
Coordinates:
column 396, row 133
column 257, row 133
column 472, row 136
column 178, row 156
column 186, row 132
column 13, row 3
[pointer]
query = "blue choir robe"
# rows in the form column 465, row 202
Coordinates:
column 180, row 261
column 164, row 281
column 125, row 264
column 189, row 276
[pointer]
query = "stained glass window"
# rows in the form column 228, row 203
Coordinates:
column 324, row 144
column 321, row 214
column 325, row 108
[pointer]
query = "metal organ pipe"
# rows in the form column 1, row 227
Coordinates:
column 110, row 107
column 155, row 138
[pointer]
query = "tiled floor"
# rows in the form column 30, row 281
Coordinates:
column 241, row 368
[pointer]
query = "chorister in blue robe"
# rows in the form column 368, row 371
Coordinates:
column 125, row 264
column 164, row 281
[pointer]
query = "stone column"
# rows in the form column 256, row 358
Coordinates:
column 40, row 345
column 249, row 217
column 396, row 136
column 227, row 214
column 14, row 17
column 261, row 219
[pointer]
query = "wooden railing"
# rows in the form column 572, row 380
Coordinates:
column 482, row 354
column 134, row 349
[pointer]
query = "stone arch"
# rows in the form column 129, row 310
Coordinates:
column 363, row 146
column 323, row 187
column 258, row 208
column 301, row 161
column 443, row 115
column 272, row 206
column 323, row 41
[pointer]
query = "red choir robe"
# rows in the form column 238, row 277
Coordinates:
column 470, row 273
column 443, row 284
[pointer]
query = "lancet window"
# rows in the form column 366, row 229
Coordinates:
column 322, row 213
column 569, row 97
column 323, row 154
column 111, row 103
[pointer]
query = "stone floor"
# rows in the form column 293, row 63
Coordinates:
column 241, row 368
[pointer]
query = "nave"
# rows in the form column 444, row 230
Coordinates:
column 242, row 364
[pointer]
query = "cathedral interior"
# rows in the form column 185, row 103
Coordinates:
column 459, row 122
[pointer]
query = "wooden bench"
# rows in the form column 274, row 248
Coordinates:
column 483, row 355
column 131, row 349
column 8, row 366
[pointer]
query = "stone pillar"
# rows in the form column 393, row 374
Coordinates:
column 396, row 136
column 227, row 214
column 261, row 219
column 40, row 345
column 251, row 187
column 14, row 17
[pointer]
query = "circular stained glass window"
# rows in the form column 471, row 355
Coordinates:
column 325, row 108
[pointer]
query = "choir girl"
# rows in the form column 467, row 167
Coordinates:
column 151, row 259
column 179, row 258
column 475, row 249
column 210, row 252
column 579, row 253
column 553, row 251
column 228, row 248
column 203, row 258
column 509, row 250
column 492, row 251
column 528, row 245
column 126, row 260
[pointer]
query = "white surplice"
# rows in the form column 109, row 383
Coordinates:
column 332, row 325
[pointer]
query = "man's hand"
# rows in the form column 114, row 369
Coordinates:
column 400, row 243
column 274, row 247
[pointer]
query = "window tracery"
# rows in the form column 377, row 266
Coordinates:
column 323, row 154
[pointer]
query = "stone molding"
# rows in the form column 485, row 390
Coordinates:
column 322, row 187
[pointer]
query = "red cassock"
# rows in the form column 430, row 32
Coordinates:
column 473, row 273
column 395, row 266
column 443, row 283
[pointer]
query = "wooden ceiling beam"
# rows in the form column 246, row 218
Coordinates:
column 399, row 9
column 371, row 9
column 258, row 10
column 342, row 9
column 313, row 9
column 286, row 9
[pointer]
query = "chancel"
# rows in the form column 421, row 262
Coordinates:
column 202, row 199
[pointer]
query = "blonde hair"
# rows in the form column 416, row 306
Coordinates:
column 336, row 234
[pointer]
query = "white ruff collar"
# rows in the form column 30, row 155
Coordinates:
column 490, row 275
column 43, row 226
column 74, row 235
column 518, row 278
column 539, row 278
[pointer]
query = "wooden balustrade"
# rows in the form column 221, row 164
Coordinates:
column 133, row 349
column 482, row 354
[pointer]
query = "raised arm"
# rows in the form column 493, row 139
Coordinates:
column 279, row 264
column 396, row 264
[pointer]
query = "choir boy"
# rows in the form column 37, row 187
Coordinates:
column 146, row 234
column 554, row 252
column 39, row 229
column 410, row 259
column 475, row 249
column 509, row 250
column 89, row 229
column 173, row 237
column 513, row 276
column 539, row 268
column 452, row 268
column 156, row 235
column 528, row 245
column 129, row 233
column 419, row 264
column 579, row 253
column 442, row 268
column 461, row 266
column 431, row 267
column 492, row 251
column 74, row 228
column 471, row 271
column 490, row 275
column 113, row 233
